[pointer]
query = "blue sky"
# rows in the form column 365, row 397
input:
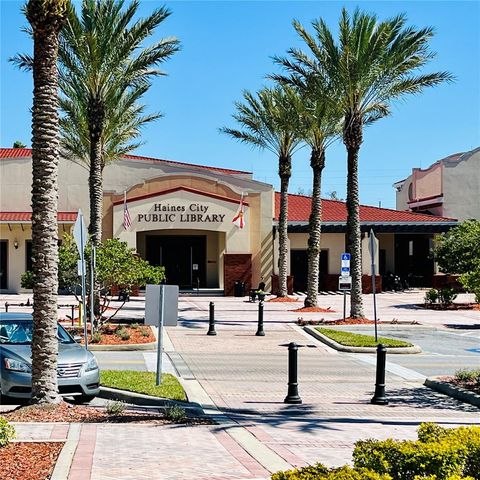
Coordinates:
column 227, row 47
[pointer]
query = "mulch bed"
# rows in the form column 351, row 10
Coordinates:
column 455, row 306
column 471, row 386
column 110, row 337
column 68, row 413
column 282, row 299
column 347, row 321
column 314, row 309
column 28, row 460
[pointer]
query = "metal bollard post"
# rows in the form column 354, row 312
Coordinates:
column 260, row 332
column 73, row 313
column 292, row 395
column 6, row 306
column 379, row 397
column 211, row 320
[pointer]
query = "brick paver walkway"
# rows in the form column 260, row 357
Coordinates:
column 246, row 377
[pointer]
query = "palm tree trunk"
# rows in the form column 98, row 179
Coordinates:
column 96, row 121
column 352, row 138
column 46, row 19
column 285, row 171
column 317, row 162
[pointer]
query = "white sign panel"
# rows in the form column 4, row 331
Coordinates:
column 345, row 283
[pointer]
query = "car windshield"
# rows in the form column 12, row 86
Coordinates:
column 19, row 332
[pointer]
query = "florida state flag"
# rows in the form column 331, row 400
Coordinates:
column 239, row 218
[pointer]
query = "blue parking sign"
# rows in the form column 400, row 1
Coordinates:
column 345, row 256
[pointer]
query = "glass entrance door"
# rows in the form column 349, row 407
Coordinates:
column 184, row 258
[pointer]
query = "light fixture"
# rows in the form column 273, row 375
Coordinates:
column 15, row 244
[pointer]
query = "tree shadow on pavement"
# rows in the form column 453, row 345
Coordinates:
column 463, row 326
column 423, row 397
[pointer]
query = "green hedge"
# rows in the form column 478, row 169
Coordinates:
column 7, row 432
column 320, row 472
column 438, row 454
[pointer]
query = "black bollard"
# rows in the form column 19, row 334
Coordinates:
column 292, row 395
column 73, row 312
column 379, row 397
column 260, row 332
column 211, row 320
column 6, row 306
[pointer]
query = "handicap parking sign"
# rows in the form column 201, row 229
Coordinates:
column 345, row 256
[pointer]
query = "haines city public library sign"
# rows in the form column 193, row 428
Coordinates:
column 179, row 208
column 190, row 213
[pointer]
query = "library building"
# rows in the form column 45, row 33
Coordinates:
column 211, row 228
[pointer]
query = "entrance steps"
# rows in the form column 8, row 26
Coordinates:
column 202, row 292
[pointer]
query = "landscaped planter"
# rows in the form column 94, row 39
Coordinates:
column 441, row 385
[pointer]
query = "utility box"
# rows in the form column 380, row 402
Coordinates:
column 170, row 307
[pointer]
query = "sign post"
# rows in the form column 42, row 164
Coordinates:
column 160, row 336
column 92, row 287
column 80, row 236
column 345, row 280
column 372, row 247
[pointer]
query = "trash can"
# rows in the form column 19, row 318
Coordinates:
column 239, row 289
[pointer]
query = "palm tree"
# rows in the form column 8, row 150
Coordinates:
column 372, row 64
column 46, row 18
column 270, row 122
column 104, row 71
column 321, row 126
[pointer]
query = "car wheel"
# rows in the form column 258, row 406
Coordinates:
column 83, row 398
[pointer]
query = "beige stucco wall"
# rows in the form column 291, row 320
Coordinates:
column 387, row 242
column 428, row 182
column 462, row 187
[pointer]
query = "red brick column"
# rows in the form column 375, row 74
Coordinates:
column 367, row 283
column 237, row 267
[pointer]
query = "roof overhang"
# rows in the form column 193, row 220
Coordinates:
column 378, row 227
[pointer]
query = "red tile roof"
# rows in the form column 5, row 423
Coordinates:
column 334, row 211
column 27, row 152
column 15, row 152
column 27, row 216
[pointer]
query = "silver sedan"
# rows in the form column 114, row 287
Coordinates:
column 77, row 369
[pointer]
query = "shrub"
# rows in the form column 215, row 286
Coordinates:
column 122, row 333
column 96, row 337
column 320, row 472
column 7, row 432
column 144, row 332
column 439, row 454
column 404, row 460
column 115, row 407
column 431, row 296
column 175, row 413
column 446, row 296
column 134, row 326
column 26, row 280
column 468, row 376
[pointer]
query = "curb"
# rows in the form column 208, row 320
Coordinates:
column 343, row 348
column 452, row 391
column 64, row 460
column 145, row 400
column 119, row 348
